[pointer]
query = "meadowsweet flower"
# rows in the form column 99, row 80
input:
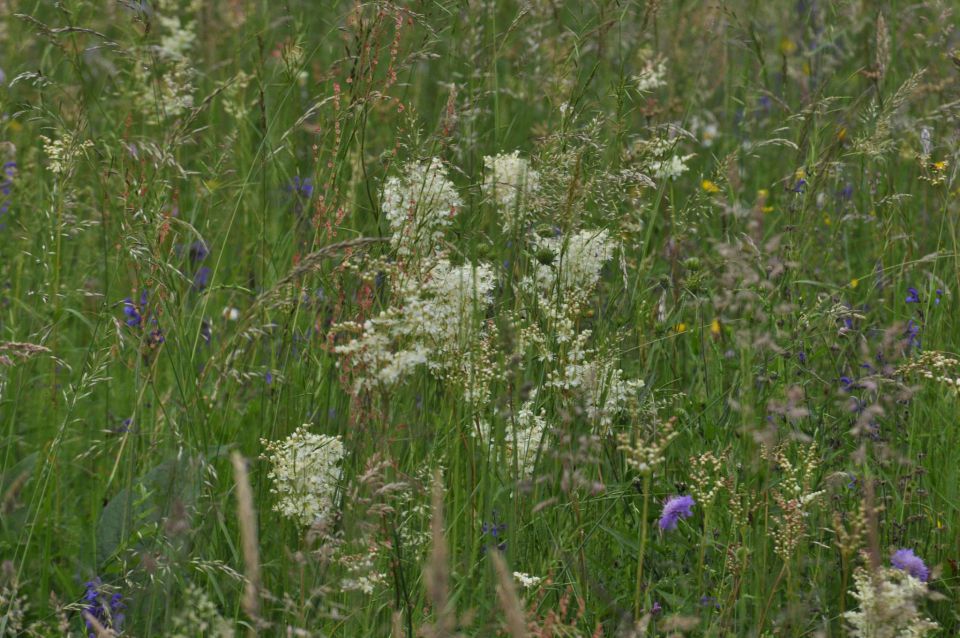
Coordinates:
column 526, row 581
column 305, row 471
column 199, row 616
column 888, row 605
column 651, row 76
column 576, row 261
column 674, row 509
column 909, row 562
column 419, row 205
column 510, row 181
column 670, row 168
column 523, row 438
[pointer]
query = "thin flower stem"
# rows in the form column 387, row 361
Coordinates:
column 637, row 603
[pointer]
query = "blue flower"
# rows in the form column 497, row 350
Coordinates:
column 909, row 562
column 674, row 509
column 302, row 187
column 6, row 186
column 198, row 252
column 494, row 530
column 912, row 295
column 135, row 312
column 105, row 608
column 202, row 278
column 912, row 333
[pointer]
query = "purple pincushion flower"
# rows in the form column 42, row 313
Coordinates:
column 674, row 509
column 909, row 562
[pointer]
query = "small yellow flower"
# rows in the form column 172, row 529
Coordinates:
column 842, row 133
column 767, row 209
column 715, row 327
column 854, row 282
column 787, row 46
column 826, row 220
column 709, row 186
column 681, row 328
column 941, row 165
column 763, row 193
column 800, row 174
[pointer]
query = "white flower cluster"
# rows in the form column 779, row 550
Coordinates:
column 435, row 324
column 443, row 308
column 662, row 161
column 888, row 605
column 526, row 581
column 305, row 470
column 200, row 617
column 576, row 262
column 523, row 438
column 510, row 182
column 362, row 576
column 651, row 76
column 596, row 381
column 165, row 74
column 419, row 205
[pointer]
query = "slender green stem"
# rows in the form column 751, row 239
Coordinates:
column 637, row 599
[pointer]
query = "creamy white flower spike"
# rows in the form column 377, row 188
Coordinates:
column 436, row 322
column 888, row 605
column 418, row 206
column 575, row 262
column 305, row 471
column 510, row 182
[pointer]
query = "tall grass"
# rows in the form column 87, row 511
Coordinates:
column 723, row 263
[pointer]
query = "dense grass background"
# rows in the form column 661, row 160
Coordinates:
column 748, row 294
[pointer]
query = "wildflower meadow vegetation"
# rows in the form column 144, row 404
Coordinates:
column 445, row 318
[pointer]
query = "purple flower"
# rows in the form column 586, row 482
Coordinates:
column 201, row 278
column 912, row 295
column 6, row 186
column 198, row 251
column 302, row 187
column 909, row 562
column 494, row 530
column 134, row 312
column 106, row 608
column 674, row 509
column 912, row 333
